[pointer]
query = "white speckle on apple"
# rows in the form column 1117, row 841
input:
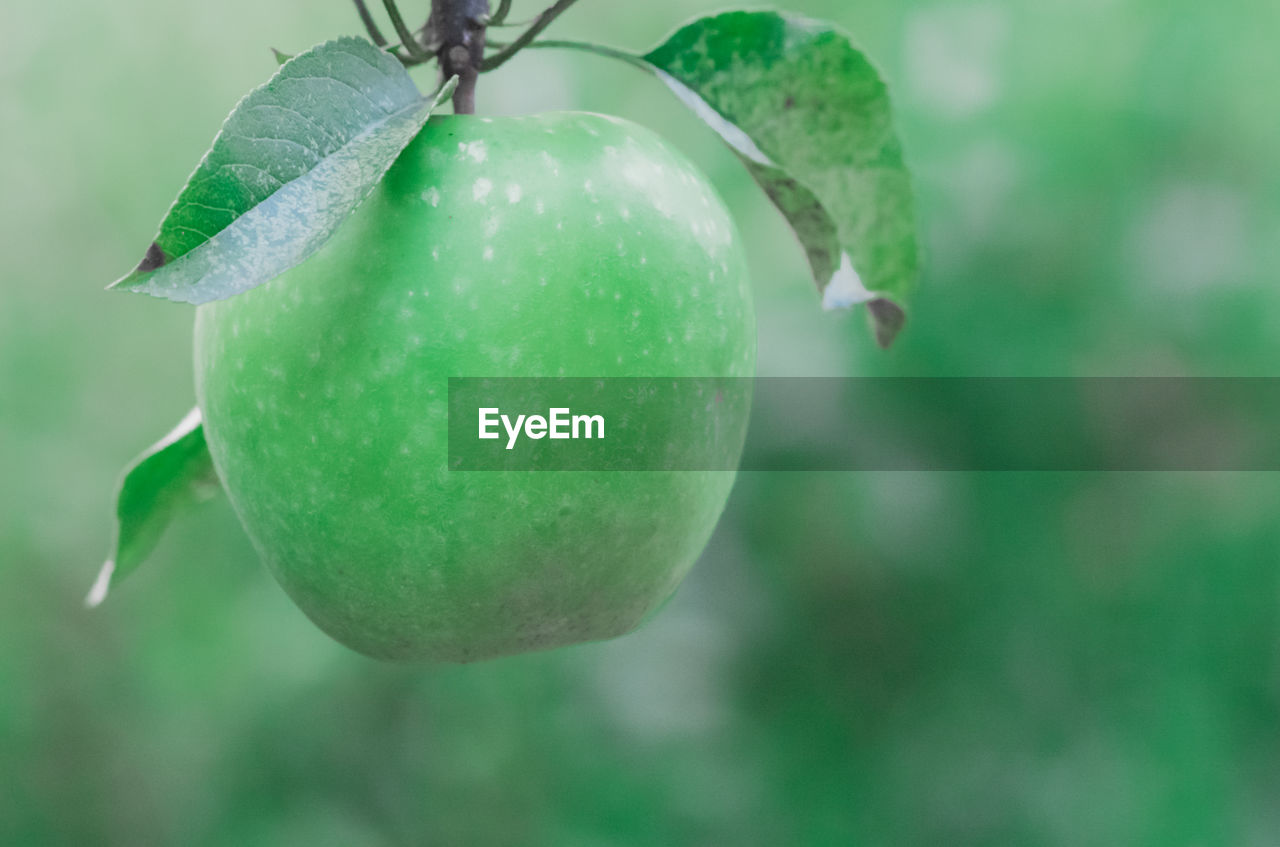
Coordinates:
column 551, row 163
column 644, row 260
column 488, row 253
column 625, row 212
column 435, row 253
column 432, row 196
column 514, row 193
column 599, row 219
column 540, row 207
column 475, row 150
column 481, row 189
column 491, row 227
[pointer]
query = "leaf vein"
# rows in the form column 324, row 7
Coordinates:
column 332, row 138
column 342, row 82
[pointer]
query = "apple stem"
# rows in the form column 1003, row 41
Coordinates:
column 458, row 26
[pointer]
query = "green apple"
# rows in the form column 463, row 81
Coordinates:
column 563, row 244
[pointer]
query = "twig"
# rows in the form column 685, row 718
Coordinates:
column 411, row 46
column 497, row 18
column 369, row 24
column 598, row 49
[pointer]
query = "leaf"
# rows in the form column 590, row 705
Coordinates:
column 810, row 117
column 292, row 161
column 170, row 476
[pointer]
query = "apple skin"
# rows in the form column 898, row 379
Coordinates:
column 562, row 244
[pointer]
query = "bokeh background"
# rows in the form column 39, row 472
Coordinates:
column 881, row 659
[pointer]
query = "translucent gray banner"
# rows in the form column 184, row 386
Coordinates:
column 869, row 424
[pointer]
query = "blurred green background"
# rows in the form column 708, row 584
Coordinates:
column 882, row 659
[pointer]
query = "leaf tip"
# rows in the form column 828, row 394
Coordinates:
column 154, row 258
column 887, row 319
column 101, row 585
column 446, row 90
column 845, row 290
column 128, row 282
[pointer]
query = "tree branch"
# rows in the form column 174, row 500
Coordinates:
column 459, row 27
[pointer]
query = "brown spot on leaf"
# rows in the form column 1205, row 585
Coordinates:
column 887, row 319
column 155, row 258
column 790, row 102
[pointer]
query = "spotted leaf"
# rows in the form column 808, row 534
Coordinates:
column 810, row 117
column 291, row 162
